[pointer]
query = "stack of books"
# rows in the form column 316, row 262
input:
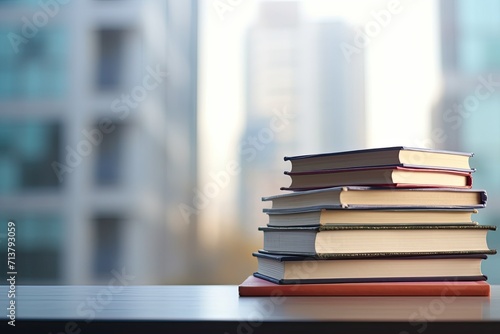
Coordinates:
column 386, row 221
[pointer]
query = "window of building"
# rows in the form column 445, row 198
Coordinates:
column 18, row 2
column 27, row 150
column 38, row 247
column 478, row 30
column 35, row 68
column 109, row 165
column 110, row 58
column 107, row 245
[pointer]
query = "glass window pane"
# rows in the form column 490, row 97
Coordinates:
column 39, row 239
column 109, row 160
column 27, row 150
column 107, row 245
column 32, row 69
column 110, row 58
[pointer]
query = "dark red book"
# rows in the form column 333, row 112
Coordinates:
column 256, row 287
column 381, row 176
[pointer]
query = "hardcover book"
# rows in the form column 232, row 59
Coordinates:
column 366, row 197
column 257, row 287
column 374, row 216
column 286, row 269
column 397, row 155
column 391, row 176
column 344, row 240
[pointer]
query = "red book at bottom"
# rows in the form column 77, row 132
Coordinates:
column 256, row 287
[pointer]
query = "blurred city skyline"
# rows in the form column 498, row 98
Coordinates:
column 140, row 136
column 401, row 39
column 396, row 38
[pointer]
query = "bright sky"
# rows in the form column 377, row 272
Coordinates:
column 402, row 71
column 402, row 67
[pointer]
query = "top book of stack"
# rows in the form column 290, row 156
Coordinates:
column 389, row 166
column 402, row 156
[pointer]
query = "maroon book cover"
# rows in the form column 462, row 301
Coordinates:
column 381, row 176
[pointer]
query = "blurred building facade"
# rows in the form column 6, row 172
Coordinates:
column 98, row 137
column 467, row 114
column 303, row 96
